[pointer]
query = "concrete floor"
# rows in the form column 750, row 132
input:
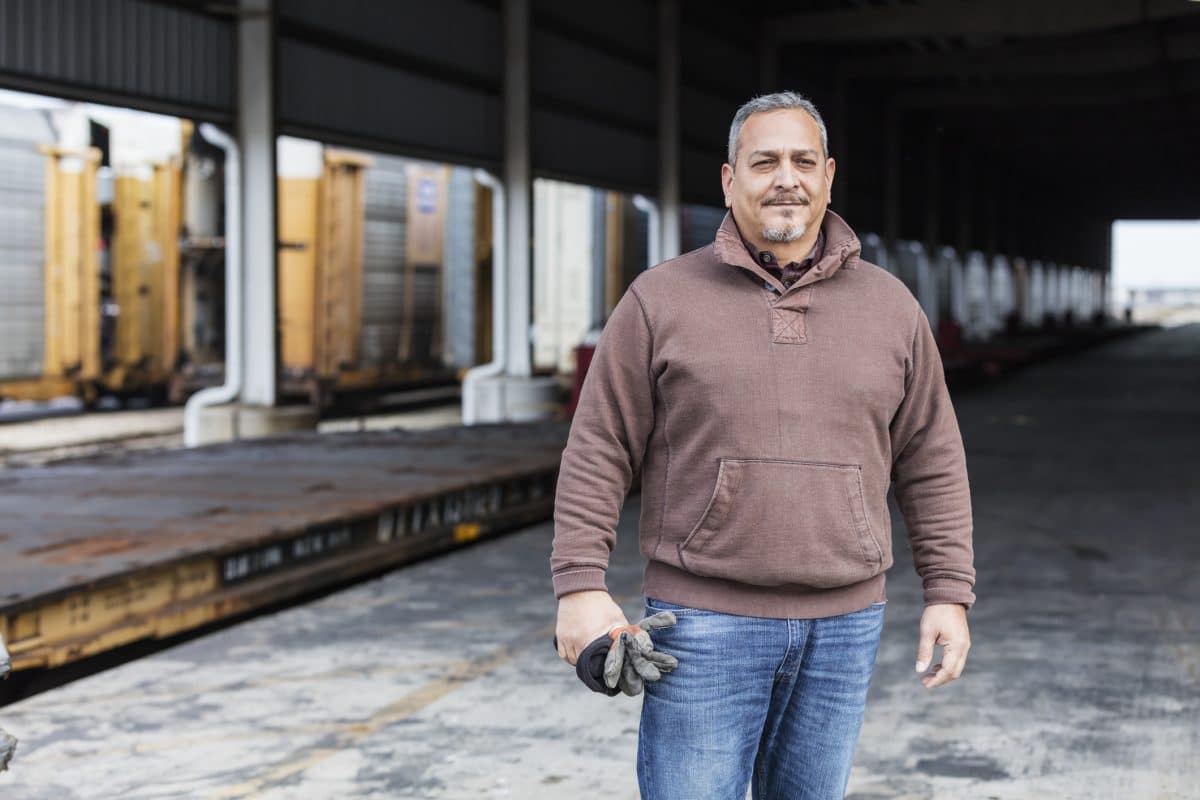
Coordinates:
column 439, row 681
column 38, row 442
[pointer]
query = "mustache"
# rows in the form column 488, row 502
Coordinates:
column 787, row 198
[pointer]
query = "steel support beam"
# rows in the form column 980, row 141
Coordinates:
column 668, row 127
column 518, row 183
column 256, row 138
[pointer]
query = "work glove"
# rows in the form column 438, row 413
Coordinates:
column 7, row 743
column 632, row 659
column 626, row 653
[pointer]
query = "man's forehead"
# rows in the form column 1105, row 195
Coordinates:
column 793, row 151
column 786, row 129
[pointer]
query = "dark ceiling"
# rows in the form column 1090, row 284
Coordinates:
column 1022, row 125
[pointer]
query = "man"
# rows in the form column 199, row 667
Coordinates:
column 769, row 387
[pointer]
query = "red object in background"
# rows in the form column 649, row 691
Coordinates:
column 949, row 338
column 583, row 358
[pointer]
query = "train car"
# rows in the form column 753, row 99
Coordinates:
column 141, row 199
column 49, row 312
column 383, row 272
column 96, row 203
column 1035, row 308
column 588, row 246
column 200, row 360
column 874, row 250
column 915, row 269
column 1003, row 303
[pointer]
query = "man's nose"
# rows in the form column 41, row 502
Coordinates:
column 787, row 176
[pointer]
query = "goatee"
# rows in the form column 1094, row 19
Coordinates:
column 785, row 233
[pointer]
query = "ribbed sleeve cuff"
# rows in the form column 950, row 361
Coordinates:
column 578, row 579
column 948, row 590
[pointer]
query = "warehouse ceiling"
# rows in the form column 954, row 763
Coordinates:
column 1023, row 126
column 1043, row 121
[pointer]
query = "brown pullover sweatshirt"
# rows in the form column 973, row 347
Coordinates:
column 768, row 423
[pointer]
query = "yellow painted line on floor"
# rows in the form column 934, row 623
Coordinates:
column 405, row 707
column 402, row 709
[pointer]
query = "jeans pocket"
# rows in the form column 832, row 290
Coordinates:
column 654, row 605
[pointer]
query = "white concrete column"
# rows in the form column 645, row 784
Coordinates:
column 668, row 126
column 256, row 138
column 518, row 183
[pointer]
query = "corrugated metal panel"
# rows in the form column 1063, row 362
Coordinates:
column 383, row 259
column 619, row 91
column 626, row 26
column 568, row 146
column 347, row 97
column 717, row 61
column 22, row 246
column 458, row 288
column 458, row 36
column 168, row 58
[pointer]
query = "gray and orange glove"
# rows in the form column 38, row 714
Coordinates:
column 632, row 659
column 7, row 743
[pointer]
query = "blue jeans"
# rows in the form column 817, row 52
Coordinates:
column 772, row 703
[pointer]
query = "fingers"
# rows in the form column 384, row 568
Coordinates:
column 925, row 647
column 954, row 661
column 658, row 621
column 642, row 642
column 643, row 666
column 664, row 661
column 632, row 682
column 564, row 652
column 615, row 661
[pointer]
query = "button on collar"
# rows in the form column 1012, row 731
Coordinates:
column 766, row 257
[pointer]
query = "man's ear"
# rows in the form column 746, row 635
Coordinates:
column 727, row 184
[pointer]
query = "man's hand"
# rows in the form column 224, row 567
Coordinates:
column 582, row 616
column 943, row 624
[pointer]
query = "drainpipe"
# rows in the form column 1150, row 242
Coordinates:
column 653, row 227
column 499, row 303
column 229, row 391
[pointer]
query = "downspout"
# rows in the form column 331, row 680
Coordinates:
column 653, row 228
column 499, row 302
column 228, row 391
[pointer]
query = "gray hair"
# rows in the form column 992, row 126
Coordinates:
column 778, row 101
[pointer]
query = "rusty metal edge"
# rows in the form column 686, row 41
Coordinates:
column 29, row 603
column 232, row 601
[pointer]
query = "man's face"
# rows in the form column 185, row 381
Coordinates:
column 779, row 185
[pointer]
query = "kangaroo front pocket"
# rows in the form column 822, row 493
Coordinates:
column 774, row 521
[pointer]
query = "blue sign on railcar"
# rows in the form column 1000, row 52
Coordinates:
column 427, row 195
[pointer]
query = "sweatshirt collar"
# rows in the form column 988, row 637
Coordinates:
column 769, row 261
column 842, row 248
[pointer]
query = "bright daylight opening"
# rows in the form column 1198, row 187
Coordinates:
column 1156, row 270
